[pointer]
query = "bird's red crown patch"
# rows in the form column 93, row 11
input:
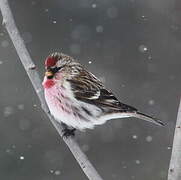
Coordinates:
column 50, row 61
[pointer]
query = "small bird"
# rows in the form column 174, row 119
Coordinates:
column 78, row 99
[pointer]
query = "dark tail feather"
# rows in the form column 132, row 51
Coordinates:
column 148, row 118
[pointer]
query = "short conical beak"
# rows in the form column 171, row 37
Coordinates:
column 48, row 74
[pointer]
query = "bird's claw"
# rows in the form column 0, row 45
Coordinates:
column 68, row 132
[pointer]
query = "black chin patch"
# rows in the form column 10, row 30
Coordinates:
column 49, row 77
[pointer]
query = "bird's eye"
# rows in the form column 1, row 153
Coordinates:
column 55, row 69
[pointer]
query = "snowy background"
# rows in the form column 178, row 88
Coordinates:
column 133, row 46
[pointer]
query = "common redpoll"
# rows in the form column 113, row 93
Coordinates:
column 78, row 99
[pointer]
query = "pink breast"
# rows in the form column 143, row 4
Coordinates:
column 48, row 83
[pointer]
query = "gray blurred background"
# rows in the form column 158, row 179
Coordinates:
column 133, row 46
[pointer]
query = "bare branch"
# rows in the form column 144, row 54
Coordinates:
column 30, row 68
column 174, row 172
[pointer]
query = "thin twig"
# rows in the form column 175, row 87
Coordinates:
column 30, row 68
column 174, row 172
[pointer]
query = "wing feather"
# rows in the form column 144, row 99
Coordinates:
column 87, row 88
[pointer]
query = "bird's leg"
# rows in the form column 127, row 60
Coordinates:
column 68, row 131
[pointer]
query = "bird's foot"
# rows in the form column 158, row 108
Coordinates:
column 68, row 132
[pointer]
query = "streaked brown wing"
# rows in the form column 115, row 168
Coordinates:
column 87, row 88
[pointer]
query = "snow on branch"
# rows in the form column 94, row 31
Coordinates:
column 30, row 68
column 174, row 172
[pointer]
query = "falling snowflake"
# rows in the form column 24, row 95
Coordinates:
column 90, row 62
column 57, row 172
column 137, row 162
column 94, row 5
column 99, row 29
column 8, row 111
column 135, row 137
column 151, row 102
column 145, row 48
column 54, row 22
column 142, row 48
column 85, row 147
column 149, row 57
column 8, row 150
column 21, row 106
column 143, row 17
column 4, row 43
column 149, row 138
column 21, row 157
column 51, row 171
